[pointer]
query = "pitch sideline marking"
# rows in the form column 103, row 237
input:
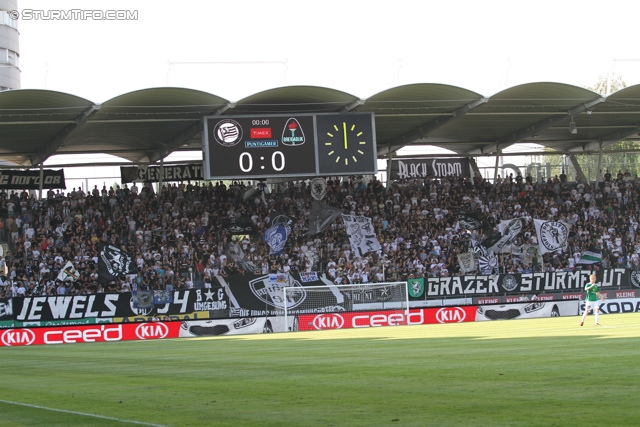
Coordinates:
column 104, row 417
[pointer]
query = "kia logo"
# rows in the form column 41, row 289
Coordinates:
column 147, row 331
column 450, row 315
column 13, row 337
column 328, row 321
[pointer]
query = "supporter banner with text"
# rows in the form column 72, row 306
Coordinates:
column 30, row 180
column 44, row 309
column 250, row 295
column 429, row 166
column 528, row 283
column 191, row 172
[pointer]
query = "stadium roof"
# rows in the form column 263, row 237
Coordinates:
column 147, row 125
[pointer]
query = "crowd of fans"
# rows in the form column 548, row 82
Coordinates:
column 180, row 237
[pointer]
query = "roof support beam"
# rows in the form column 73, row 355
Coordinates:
column 185, row 135
column 424, row 130
column 533, row 129
column 57, row 141
column 609, row 139
column 355, row 104
column 176, row 142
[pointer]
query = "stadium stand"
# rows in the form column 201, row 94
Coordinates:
column 179, row 237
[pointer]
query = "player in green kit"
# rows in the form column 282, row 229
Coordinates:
column 592, row 299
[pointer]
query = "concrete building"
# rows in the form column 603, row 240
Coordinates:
column 9, row 50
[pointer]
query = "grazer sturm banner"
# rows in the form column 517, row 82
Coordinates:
column 529, row 283
column 190, row 172
column 30, row 180
column 429, row 166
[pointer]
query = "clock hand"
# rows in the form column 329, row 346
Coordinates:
column 344, row 129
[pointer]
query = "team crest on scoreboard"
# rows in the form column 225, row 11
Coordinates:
column 227, row 132
column 292, row 134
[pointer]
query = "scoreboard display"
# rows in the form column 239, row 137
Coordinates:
column 297, row 145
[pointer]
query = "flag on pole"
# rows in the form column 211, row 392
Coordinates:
column 589, row 257
column 322, row 216
column 470, row 220
column 552, row 235
column 362, row 236
column 276, row 238
column 68, row 272
column 467, row 262
column 113, row 262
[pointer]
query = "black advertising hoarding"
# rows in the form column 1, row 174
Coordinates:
column 6, row 309
column 251, row 295
column 190, row 172
column 249, row 147
column 30, row 180
column 430, row 166
column 107, row 306
column 528, row 283
column 258, row 295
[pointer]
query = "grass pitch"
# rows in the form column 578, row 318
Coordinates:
column 546, row 372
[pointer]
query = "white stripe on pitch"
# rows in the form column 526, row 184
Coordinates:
column 84, row 414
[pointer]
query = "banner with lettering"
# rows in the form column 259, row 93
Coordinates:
column 30, row 180
column 429, row 166
column 41, row 309
column 191, row 172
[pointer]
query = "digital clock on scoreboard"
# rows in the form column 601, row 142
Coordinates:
column 254, row 147
column 257, row 147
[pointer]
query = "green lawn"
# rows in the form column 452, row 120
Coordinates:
column 547, row 372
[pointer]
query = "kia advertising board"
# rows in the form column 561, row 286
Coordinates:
column 89, row 333
column 424, row 316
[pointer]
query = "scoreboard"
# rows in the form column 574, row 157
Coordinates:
column 295, row 145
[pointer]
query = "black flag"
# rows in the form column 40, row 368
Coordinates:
column 470, row 220
column 113, row 262
column 322, row 216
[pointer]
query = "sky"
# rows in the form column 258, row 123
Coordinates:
column 236, row 48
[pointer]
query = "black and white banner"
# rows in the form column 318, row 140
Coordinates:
column 470, row 220
column 509, row 231
column 30, row 180
column 362, row 236
column 428, row 166
column 191, row 172
column 552, row 235
column 124, row 305
column 113, row 262
column 250, row 295
column 318, row 187
column 322, row 216
column 556, row 282
column 466, row 261
column 261, row 296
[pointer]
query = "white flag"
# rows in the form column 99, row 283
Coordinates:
column 552, row 235
column 361, row 234
column 467, row 262
column 68, row 272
